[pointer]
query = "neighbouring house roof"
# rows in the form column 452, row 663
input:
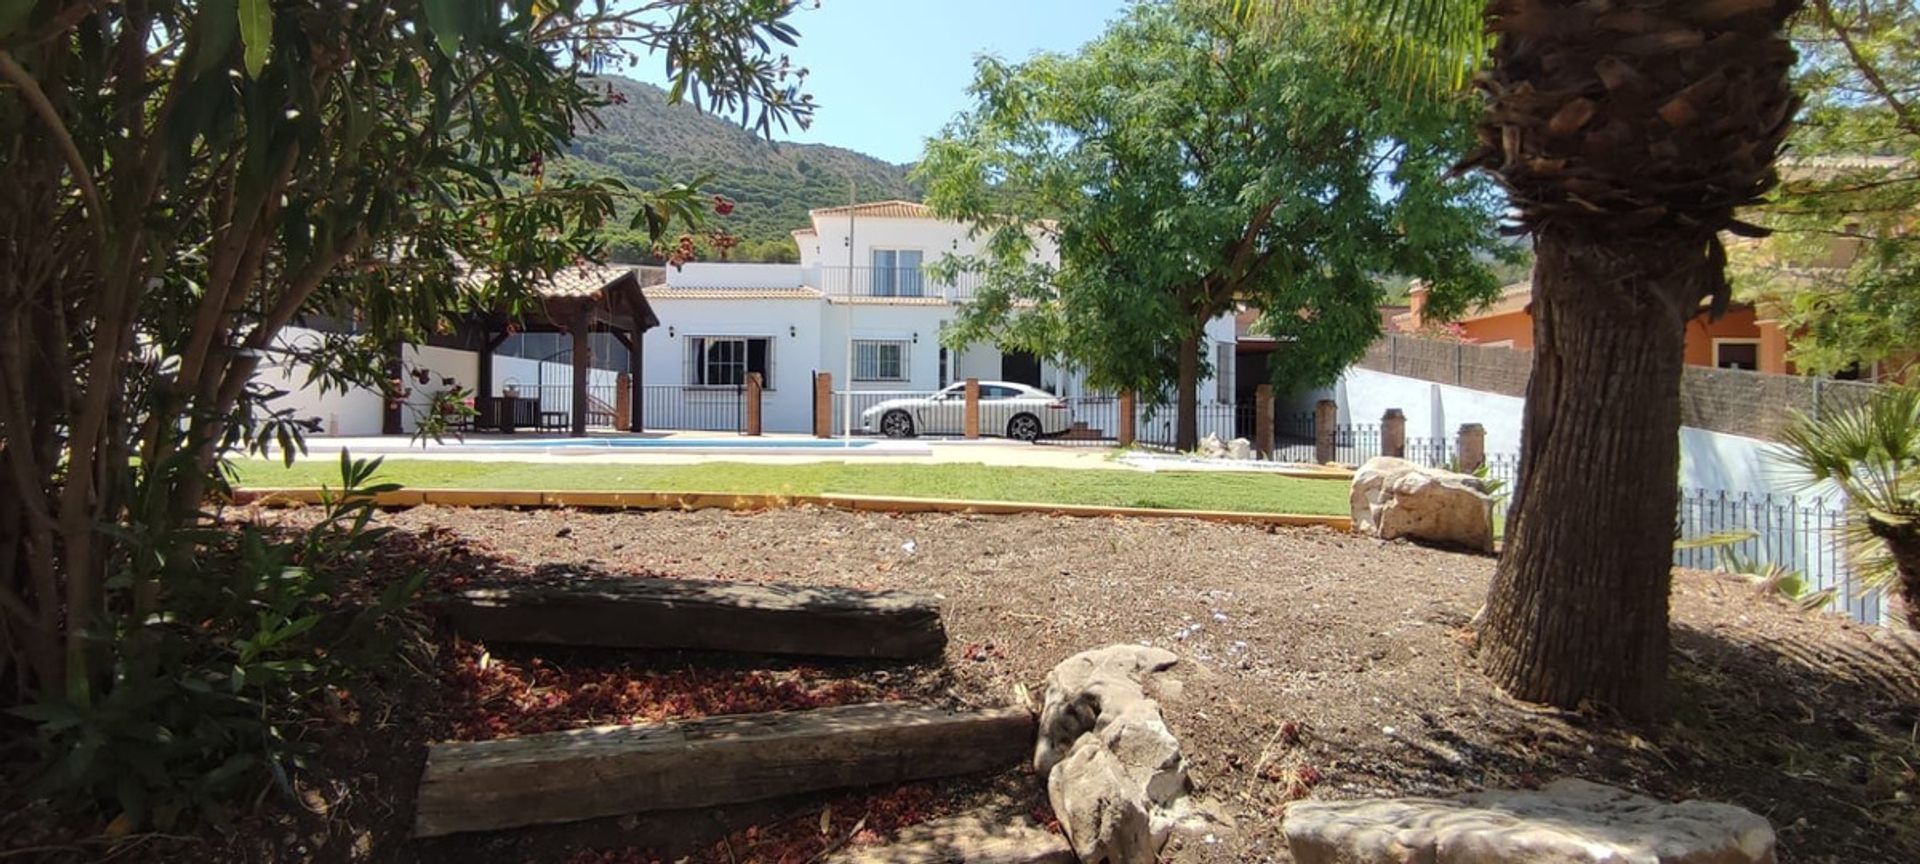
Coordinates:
column 588, row 279
column 704, row 292
column 878, row 209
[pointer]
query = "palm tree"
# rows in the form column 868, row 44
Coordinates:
column 1626, row 133
column 1872, row 454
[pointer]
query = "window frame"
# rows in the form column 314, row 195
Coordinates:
column 893, row 271
column 1720, row 341
column 698, row 368
column 905, row 361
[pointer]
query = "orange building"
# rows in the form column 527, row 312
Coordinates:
column 1741, row 339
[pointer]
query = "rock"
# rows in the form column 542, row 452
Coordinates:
column 1569, row 821
column 1212, row 447
column 1115, row 774
column 1241, row 449
column 1394, row 498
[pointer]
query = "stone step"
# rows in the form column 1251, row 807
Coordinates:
column 616, row 770
column 973, row 838
column 693, row 614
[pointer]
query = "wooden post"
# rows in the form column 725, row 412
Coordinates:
column 1393, row 433
column 390, row 418
column 636, row 383
column 823, row 404
column 582, row 361
column 1472, row 447
column 1326, row 413
column 622, row 402
column 1263, row 420
column 754, row 389
column 973, row 408
column 1127, row 433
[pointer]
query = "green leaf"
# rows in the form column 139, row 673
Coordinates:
column 449, row 20
column 215, row 27
column 256, row 30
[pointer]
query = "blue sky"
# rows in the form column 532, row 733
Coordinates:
column 889, row 73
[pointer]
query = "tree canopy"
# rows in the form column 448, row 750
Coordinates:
column 184, row 178
column 1842, row 270
column 1186, row 165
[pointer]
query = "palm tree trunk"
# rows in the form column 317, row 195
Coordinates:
column 1903, row 546
column 1187, row 399
column 1577, row 613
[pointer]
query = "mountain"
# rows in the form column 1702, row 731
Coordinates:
column 648, row 142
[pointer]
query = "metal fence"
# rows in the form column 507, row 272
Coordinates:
column 1158, row 426
column 1735, row 401
column 923, row 414
column 1799, row 534
column 700, row 409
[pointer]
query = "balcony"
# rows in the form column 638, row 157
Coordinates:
column 894, row 285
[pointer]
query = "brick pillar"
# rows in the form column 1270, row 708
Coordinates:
column 1125, row 434
column 1393, row 434
column 973, row 408
column 1263, row 420
column 623, row 402
column 823, row 404
column 1472, row 447
column 754, row 389
column 1325, row 414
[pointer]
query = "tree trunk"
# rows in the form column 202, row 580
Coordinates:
column 1903, row 546
column 1186, row 434
column 1577, row 612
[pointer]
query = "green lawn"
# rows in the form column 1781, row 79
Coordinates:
column 1249, row 493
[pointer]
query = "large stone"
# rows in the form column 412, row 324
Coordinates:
column 1212, row 447
column 1394, row 498
column 1569, row 821
column 1241, row 449
column 1115, row 774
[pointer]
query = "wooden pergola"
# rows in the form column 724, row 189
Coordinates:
column 577, row 301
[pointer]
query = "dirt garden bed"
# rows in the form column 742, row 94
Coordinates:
column 1315, row 664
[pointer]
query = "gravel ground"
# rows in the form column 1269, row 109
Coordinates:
column 1315, row 664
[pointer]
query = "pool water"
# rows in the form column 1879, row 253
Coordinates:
column 687, row 443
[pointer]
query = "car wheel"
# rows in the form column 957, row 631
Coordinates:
column 896, row 424
column 1024, row 427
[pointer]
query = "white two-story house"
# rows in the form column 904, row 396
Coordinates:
column 860, row 306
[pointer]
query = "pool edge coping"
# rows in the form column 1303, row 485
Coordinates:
column 748, row 501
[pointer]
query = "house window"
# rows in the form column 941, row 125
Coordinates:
column 876, row 360
column 896, row 272
column 724, row 361
column 1223, row 372
column 946, row 367
column 1736, row 353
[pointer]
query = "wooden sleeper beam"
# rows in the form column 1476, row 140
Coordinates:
column 616, row 770
column 704, row 615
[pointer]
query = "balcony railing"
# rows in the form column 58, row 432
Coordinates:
column 896, row 283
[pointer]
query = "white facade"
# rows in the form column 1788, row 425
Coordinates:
column 859, row 306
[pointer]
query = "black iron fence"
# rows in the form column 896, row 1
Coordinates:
column 898, row 413
column 1799, row 534
column 701, row 409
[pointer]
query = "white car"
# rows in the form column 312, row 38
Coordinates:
column 1015, row 410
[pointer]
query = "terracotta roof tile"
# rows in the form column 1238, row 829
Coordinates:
column 879, row 209
column 586, row 279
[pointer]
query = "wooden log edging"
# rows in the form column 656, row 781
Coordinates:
column 639, row 500
column 702, row 615
column 616, row 770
